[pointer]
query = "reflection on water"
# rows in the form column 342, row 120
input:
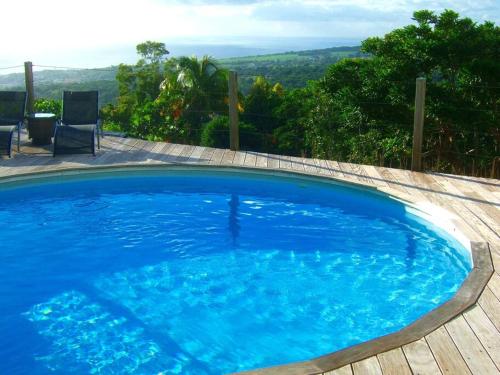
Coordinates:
column 411, row 251
column 234, row 224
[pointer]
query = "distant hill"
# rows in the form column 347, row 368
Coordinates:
column 291, row 69
column 51, row 83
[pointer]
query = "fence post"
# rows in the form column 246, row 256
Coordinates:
column 28, row 78
column 418, row 125
column 494, row 167
column 234, row 133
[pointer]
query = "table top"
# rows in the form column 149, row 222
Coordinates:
column 41, row 115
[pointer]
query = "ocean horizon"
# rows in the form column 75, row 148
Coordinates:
column 219, row 48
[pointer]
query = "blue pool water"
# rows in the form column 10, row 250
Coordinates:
column 207, row 273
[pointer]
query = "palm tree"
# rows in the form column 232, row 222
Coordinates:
column 203, row 85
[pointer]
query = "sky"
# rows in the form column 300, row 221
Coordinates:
column 96, row 33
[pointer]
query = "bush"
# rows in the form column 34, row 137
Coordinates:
column 48, row 106
column 215, row 133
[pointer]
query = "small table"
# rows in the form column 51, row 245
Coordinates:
column 41, row 128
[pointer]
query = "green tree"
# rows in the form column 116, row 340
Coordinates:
column 152, row 52
column 138, row 87
column 195, row 89
column 260, row 104
column 370, row 110
column 291, row 119
column 216, row 134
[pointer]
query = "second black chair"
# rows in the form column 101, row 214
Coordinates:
column 79, row 125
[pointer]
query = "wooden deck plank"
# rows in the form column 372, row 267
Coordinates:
column 322, row 167
column 475, row 206
column 376, row 178
column 476, row 188
column 335, row 170
column 250, row 159
column 217, row 156
column 155, row 153
column 273, row 161
column 420, row 358
column 297, row 164
column 228, row 157
column 491, row 306
column 196, row 154
column 285, row 162
column 185, row 154
column 485, row 331
column 309, row 166
column 394, row 362
column 355, row 172
column 410, row 185
column 445, row 352
column 262, row 160
column 369, row 366
column 494, row 285
column 173, row 152
column 207, row 155
column 239, row 158
column 478, row 361
column 164, row 153
column 391, row 180
column 346, row 370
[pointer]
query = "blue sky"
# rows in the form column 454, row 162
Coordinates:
column 104, row 32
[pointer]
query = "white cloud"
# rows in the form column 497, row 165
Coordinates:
column 61, row 30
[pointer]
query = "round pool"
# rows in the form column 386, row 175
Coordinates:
column 207, row 272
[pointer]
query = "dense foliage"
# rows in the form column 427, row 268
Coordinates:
column 167, row 99
column 48, row 106
column 367, row 105
column 216, row 134
column 361, row 110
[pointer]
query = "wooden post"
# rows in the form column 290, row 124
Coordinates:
column 28, row 77
column 418, row 126
column 494, row 167
column 234, row 133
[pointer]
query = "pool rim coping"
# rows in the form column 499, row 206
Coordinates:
column 465, row 297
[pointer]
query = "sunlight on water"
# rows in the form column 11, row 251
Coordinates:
column 208, row 274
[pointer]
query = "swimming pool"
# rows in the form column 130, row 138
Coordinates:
column 208, row 272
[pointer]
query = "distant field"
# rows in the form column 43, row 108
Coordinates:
column 309, row 55
column 291, row 69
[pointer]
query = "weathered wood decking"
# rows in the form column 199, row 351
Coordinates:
column 468, row 344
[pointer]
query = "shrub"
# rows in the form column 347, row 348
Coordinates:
column 215, row 133
column 48, row 106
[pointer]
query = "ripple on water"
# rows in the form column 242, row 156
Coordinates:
column 207, row 275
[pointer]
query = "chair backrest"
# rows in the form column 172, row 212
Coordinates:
column 80, row 107
column 12, row 107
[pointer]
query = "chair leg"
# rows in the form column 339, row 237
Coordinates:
column 98, row 136
column 54, row 145
column 10, row 144
column 18, row 138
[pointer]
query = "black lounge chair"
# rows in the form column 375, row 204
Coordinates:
column 79, row 126
column 12, row 108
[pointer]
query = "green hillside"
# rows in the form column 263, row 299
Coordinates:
column 291, row 69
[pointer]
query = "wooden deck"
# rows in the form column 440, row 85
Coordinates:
column 468, row 344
